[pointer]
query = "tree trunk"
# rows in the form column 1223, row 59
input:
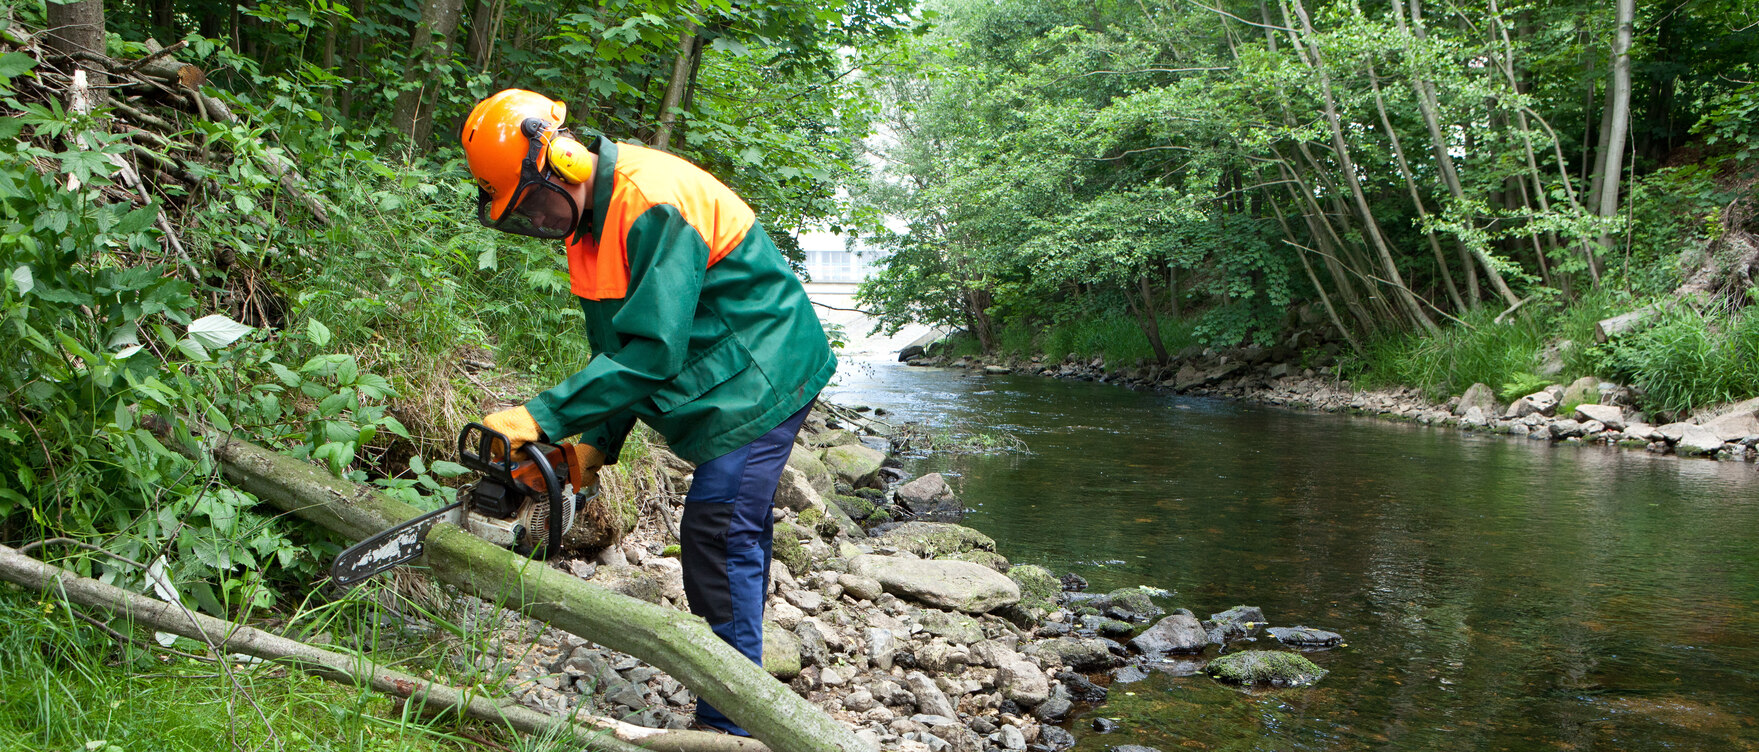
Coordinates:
column 675, row 88
column 1402, row 293
column 430, row 45
column 230, row 637
column 1619, row 118
column 673, row 641
column 1147, row 317
column 1441, row 262
column 77, row 27
column 485, row 28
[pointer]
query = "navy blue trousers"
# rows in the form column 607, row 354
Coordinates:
column 725, row 544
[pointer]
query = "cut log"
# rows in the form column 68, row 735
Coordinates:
column 678, row 643
column 599, row 733
column 1624, row 322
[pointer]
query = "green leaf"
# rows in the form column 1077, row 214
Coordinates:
column 446, row 469
column 417, row 466
column 347, row 371
column 333, row 405
column 216, row 331
column 15, row 64
column 288, row 376
column 21, row 277
column 193, row 349
column 320, row 334
column 487, row 260
column 137, row 220
column 394, row 426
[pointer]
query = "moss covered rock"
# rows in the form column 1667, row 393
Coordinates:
column 932, row 539
column 856, row 507
column 1272, row 667
column 1038, row 588
column 989, row 559
column 787, row 549
column 781, row 652
column 807, row 462
column 854, row 464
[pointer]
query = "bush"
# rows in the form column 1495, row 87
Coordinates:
column 1689, row 359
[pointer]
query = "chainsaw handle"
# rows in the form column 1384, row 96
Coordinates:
column 487, row 440
column 553, row 487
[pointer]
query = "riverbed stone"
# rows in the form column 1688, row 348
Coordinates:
column 854, row 464
column 781, row 652
column 1612, row 416
column 634, row 582
column 932, row 539
column 1235, row 623
column 956, row 585
column 1697, row 440
column 1538, row 403
column 1480, row 396
column 1736, row 422
column 860, row 588
column 929, row 498
column 1023, row 682
column 806, row 461
column 1565, row 428
column 882, row 644
column 794, row 491
column 1305, row 637
column 1582, row 391
column 958, row 628
column 1079, row 653
column 1273, row 667
column 832, row 437
column 1178, row 633
column 929, row 697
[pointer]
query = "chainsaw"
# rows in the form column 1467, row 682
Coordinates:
column 524, row 506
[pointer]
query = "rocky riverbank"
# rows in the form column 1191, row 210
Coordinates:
column 1586, row 411
column 917, row 634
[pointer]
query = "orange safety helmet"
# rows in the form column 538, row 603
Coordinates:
column 514, row 143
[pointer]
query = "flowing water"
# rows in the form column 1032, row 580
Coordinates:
column 1494, row 593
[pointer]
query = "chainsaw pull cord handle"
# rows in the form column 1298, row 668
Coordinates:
column 553, row 487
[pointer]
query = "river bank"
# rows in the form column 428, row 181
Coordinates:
column 899, row 622
column 1585, row 411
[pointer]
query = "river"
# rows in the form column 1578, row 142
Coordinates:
column 1495, row 593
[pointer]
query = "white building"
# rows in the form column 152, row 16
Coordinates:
column 840, row 259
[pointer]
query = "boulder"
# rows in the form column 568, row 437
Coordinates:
column 1612, row 416
column 956, row 627
column 781, row 652
column 932, row 539
column 1079, row 653
column 1023, row 683
column 1736, row 422
column 1235, row 623
column 854, row 464
column 1697, row 440
column 1479, row 396
column 806, row 461
column 812, row 647
column 860, row 588
column 956, row 585
column 1306, row 637
column 1271, row 667
column 929, row 498
column 631, row 581
column 881, row 646
column 831, row 438
column 1178, row 633
column 1055, row 707
column 1565, row 428
column 794, row 491
column 1537, row 403
column 929, row 698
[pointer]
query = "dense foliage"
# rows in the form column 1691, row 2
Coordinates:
column 1389, row 167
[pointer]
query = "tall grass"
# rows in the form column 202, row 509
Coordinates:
column 1691, row 359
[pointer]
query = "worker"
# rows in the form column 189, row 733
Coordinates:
column 698, row 328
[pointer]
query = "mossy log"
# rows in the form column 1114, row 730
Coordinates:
column 605, row 734
column 673, row 641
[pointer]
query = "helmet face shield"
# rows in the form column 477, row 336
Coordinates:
column 541, row 209
column 538, row 208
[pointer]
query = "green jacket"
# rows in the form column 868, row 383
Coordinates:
column 698, row 326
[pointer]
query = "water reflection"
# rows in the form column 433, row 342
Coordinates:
column 1496, row 593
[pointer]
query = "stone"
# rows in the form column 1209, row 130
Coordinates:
column 1023, row 683
column 1273, row 667
column 1104, row 725
column 807, row 462
column 670, row 574
column 941, row 658
column 794, row 491
column 958, row 628
column 854, row 464
column 860, row 701
column 1475, row 417
column 1566, row 428
column 1673, row 432
column 1697, row 440
column 1055, row 707
column 1079, row 653
column 1537, row 403
column 1479, row 396
column 813, row 650
column 881, row 646
column 1130, row 748
column 1178, row 633
column 1132, row 604
column 830, row 677
column 1055, row 738
column 1305, row 637
column 929, row 698
column 929, row 498
column 1736, row 422
column 631, row 581
column 832, row 437
column 860, row 588
column 1612, row 416
column 933, row 539
column 1235, row 623
column 1640, row 432
column 781, row 652
column 1128, row 674
column 785, row 614
column 955, row 585
column 1011, row 738
column 1082, row 688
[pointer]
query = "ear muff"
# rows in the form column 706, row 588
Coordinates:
column 569, row 159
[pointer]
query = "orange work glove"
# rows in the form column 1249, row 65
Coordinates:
column 514, row 423
column 584, row 461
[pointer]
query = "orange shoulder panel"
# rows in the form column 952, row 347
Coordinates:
column 646, row 178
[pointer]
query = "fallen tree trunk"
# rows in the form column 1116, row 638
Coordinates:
column 673, row 641
column 599, row 733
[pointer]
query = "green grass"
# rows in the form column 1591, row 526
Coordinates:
column 1690, row 359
